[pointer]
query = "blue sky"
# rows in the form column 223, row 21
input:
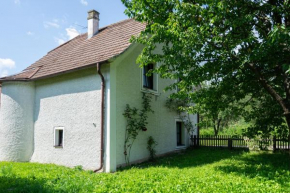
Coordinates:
column 31, row 28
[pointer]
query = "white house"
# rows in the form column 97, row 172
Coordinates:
column 67, row 108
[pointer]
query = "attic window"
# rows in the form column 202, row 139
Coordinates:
column 58, row 137
column 148, row 80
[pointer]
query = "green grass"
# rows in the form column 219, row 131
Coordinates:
column 202, row 170
column 236, row 128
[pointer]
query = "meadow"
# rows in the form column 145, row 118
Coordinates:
column 194, row 170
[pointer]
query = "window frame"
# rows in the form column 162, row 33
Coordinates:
column 179, row 133
column 56, row 139
column 183, row 143
column 154, row 79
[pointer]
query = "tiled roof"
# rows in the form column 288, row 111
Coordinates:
column 81, row 52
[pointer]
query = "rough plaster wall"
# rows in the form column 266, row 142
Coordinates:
column 16, row 121
column 161, row 124
column 0, row 95
column 74, row 102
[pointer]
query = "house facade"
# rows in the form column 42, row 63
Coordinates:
column 67, row 108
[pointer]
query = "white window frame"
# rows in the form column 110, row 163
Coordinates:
column 56, row 137
column 183, row 135
column 155, row 83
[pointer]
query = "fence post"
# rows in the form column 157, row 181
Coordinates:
column 194, row 140
column 230, row 143
column 274, row 143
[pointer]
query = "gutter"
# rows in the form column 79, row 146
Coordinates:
column 102, row 117
column 66, row 71
column 51, row 75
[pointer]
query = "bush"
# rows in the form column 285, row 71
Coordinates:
column 151, row 144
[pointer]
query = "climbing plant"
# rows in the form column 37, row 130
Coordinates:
column 136, row 122
column 179, row 106
column 151, row 144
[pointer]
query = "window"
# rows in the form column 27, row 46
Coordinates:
column 149, row 84
column 58, row 137
column 179, row 134
column 148, row 81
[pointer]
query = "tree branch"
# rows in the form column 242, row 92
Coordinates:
column 269, row 88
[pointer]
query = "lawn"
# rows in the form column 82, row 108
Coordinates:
column 201, row 170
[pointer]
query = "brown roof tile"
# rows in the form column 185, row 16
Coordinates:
column 82, row 52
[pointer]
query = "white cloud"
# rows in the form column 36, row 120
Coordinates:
column 84, row 2
column 4, row 65
column 59, row 41
column 48, row 24
column 72, row 32
column 17, row 2
column 29, row 33
column 3, row 73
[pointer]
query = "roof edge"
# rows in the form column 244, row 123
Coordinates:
column 110, row 60
column 53, row 75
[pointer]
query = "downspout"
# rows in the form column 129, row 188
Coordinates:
column 102, row 117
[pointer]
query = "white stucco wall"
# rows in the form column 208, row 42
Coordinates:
column 16, row 121
column 162, row 124
column 71, row 101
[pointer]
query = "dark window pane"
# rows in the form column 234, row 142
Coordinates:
column 148, row 80
column 60, row 137
column 179, row 133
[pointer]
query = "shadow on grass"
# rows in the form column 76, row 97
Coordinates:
column 259, row 165
column 191, row 158
column 266, row 165
column 11, row 184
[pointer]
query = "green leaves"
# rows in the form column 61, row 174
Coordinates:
column 217, row 42
column 151, row 145
column 136, row 122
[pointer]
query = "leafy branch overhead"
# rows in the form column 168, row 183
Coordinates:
column 240, row 47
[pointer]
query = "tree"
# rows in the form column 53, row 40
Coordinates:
column 243, row 45
column 266, row 117
column 215, row 107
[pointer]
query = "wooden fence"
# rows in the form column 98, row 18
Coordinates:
column 274, row 143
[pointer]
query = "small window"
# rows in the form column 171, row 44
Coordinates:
column 58, row 137
column 179, row 134
column 148, row 81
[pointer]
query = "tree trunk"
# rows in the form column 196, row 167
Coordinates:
column 216, row 127
column 282, row 102
column 219, row 124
